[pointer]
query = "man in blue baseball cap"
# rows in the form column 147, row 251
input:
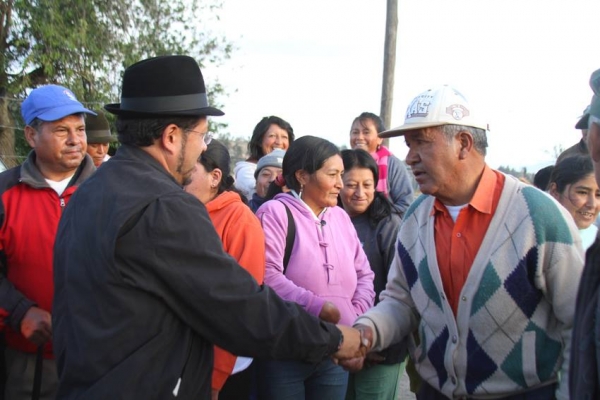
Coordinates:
column 33, row 196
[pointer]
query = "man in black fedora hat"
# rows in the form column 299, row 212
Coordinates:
column 143, row 286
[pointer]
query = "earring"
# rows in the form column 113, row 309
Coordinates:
column 301, row 189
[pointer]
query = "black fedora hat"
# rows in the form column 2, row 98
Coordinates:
column 163, row 86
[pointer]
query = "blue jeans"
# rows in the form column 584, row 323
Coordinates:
column 292, row 380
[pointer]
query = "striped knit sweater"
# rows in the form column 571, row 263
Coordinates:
column 513, row 326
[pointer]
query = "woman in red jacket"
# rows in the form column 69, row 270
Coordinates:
column 212, row 184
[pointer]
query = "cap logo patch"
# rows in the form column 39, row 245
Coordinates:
column 419, row 107
column 457, row 111
column 70, row 95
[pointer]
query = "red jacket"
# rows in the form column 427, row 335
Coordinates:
column 244, row 240
column 29, row 213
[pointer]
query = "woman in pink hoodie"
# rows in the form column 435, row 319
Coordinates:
column 327, row 273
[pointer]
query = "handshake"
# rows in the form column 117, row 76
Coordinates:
column 353, row 350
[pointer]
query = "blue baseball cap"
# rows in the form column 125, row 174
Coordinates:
column 51, row 103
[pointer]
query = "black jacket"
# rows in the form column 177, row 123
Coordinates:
column 143, row 289
column 584, row 371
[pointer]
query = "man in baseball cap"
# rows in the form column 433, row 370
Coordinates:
column 487, row 267
column 33, row 196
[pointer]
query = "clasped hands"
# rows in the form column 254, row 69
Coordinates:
column 357, row 341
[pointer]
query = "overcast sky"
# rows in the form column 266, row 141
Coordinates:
column 318, row 64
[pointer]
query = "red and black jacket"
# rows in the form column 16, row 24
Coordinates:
column 29, row 214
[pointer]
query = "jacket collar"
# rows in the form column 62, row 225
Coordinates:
column 31, row 175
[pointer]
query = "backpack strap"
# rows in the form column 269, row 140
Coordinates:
column 289, row 238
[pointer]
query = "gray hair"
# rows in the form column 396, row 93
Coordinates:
column 36, row 124
column 479, row 137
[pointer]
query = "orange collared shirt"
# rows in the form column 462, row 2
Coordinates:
column 457, row 243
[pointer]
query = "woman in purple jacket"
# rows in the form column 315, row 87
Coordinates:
column 327, row 273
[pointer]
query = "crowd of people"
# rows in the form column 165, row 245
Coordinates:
column 306, row 272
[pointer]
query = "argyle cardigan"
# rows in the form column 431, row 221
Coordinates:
column 512, row 331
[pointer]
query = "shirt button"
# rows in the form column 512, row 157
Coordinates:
column 464, row 298
column 454, row 339
column 458, row 234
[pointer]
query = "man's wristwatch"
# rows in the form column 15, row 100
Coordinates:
column 341, row 341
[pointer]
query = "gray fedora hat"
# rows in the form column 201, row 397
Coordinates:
column 97, row 129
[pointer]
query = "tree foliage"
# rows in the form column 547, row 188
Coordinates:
column 519, row 174
column 85, row 45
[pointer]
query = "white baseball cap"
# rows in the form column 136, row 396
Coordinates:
column 443, row 105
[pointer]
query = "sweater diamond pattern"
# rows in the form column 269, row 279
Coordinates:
column 427, row 283
column 490, row 283
column 414, row 205
column 436, row 356
column 513, row 365
column 520, row 284
column 548, row 351
column 479, row 364
column 549, row 224
column 408, row 265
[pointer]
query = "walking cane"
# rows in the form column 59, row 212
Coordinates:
column 37, row 378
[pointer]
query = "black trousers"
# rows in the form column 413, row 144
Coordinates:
column 238, row 386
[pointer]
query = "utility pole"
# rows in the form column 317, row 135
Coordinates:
column 389, row 63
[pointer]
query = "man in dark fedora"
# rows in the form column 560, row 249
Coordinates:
column 143, row 286
column 99, row 138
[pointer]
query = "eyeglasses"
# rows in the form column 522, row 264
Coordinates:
column 207, row 137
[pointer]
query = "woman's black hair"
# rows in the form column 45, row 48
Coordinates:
column 570, row 170
column 307, row 153
column 215, row 156
column 377, row 121
column 380, row 207
column 255, row 144
column 541, row 179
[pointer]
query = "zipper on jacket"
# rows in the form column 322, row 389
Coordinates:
column 187, row 359
column 62, row 203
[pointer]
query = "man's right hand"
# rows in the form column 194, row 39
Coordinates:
column 36, row 326
column 353, row 345
column 330, row 313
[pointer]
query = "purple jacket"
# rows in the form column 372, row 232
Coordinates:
column 327, row 262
